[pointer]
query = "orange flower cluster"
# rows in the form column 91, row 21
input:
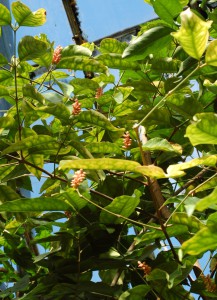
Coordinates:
column 127, row 140
column 209, row 283
column 76, row 107
column 99, row 93
column 144, row 267
column 57, row 55
column 78, row 178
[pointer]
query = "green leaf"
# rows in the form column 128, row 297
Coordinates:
column 5, row 16
column 25, row 17
column 167, row 10
column 159, row 144
column 20, row 285
column 3, row 60
column 136, row 293
column 211, row 86
column 173, row 231
column 31, row 92
column 204, row 240
column 66, row 88
column 37, row 160
column 211, row 54
column 177, row 170
column 75, row 50
column 207, row 201
column 37, row 144
column 7, row 194
column 58, row 110
column 35, row 204
column 110, row 45
column 122, row 206
column 211, row 184
column 104, row 148
column 150, row 42
column 93, row 117
column 193, row 34
column 190, row 221
column 204, row 130
column 6, row 122
column 6, row 169
column 112, row 164
column 82, row 63
column 6, row 78
column 115, row 61
column 187, row 106
column 30, row 48
column 72, row 198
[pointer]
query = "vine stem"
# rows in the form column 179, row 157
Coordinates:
column 168, row 94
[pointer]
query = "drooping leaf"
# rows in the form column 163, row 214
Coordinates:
column 151, row 41
column 75, row 50
column 193, row 34
column 158, row 144
column 122, row 206
column 30, row 48
column 204, row 130
column 25, row 17
column 37, row 144
column 5, row 16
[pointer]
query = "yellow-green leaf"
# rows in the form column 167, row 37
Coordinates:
column 193, row 34
column 204, row 130
column 5, row 16
column 177, row 170
column 207, row 201
column 25, row 17
column 211, row 54
column 37, row 160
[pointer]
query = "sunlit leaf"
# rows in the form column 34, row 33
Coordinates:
column 37, row 144
column 30, row 48
column 31, row 92
column 191, row 221
column 59, row 110
column 5, row 16
column 211, row 54
column 75, row 50
column 104, row 147
column 203, row 130
column 35, row 160
column 115, row 61
column 112, row 164
column 6, row 169
column 177, row 170
column 6, row 122
column 122, row 206
column 204, row 240
column 81, row 63
column 193, row 34
column 6, row 78
column 207, row 201
column 110, row 45
column 25, row 17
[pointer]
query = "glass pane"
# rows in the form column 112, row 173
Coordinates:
column 100, row 18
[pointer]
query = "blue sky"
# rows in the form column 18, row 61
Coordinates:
column 99, row 18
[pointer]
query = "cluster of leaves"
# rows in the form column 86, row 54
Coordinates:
column 146, row 211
